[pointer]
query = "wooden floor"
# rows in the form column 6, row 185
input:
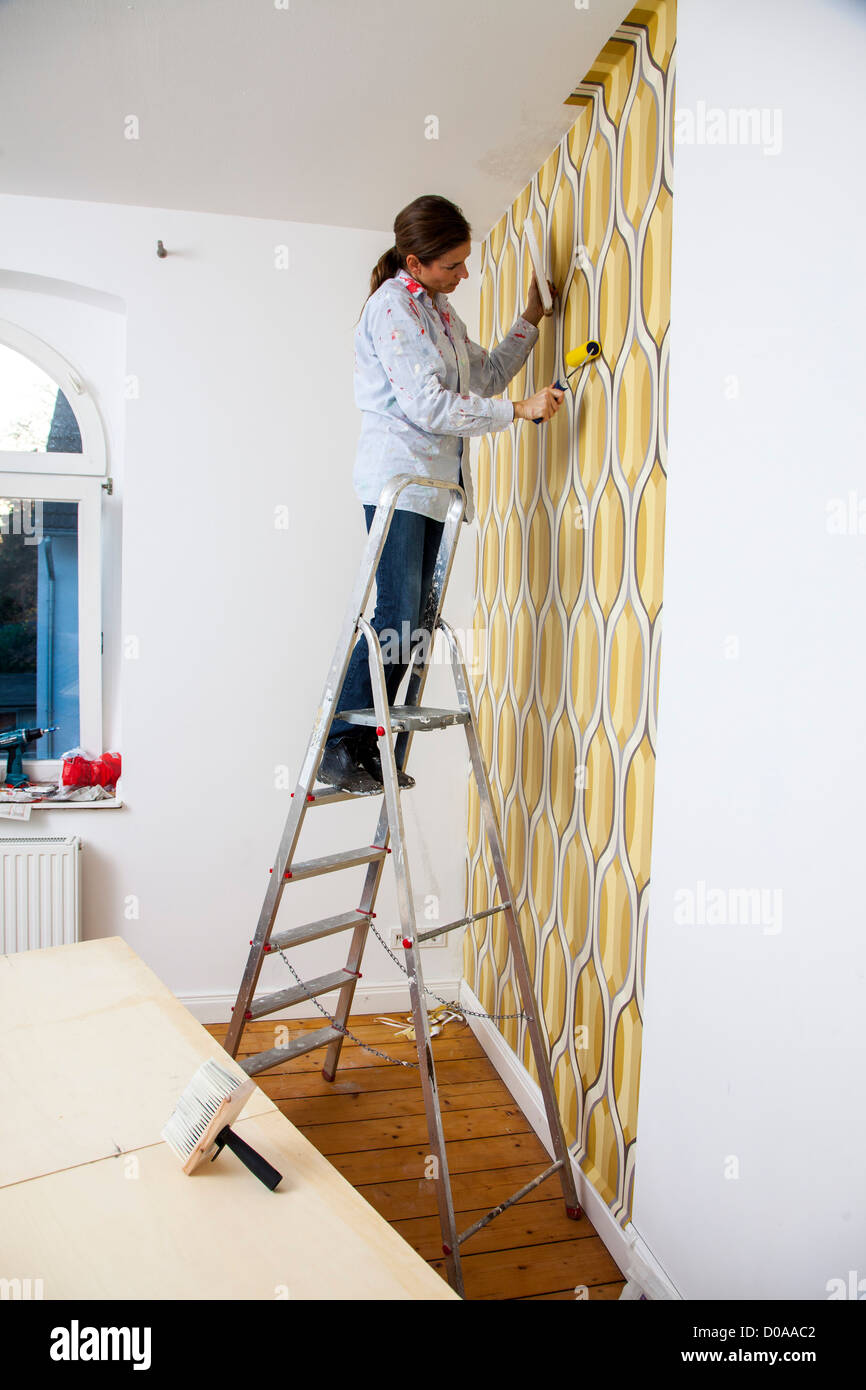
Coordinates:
column 370, row 1124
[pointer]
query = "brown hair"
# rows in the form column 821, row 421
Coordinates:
column 427, row 228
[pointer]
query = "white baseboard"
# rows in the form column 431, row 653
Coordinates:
column 630, row 1252
column 645, row 1270
column 369, row 999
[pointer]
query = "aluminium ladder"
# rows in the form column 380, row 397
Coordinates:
column 404, row 720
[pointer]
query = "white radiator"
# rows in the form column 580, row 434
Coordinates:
column 39, row 891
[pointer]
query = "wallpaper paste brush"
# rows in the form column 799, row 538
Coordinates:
column 200, row 1126
column 577, row 358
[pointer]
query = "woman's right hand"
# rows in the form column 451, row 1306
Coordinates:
column 542, row 406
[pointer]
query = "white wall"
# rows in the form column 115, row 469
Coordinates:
column 753, row 1046
column 245, row 403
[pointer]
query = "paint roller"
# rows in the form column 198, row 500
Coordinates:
column 200, row 1127
column 577, row 358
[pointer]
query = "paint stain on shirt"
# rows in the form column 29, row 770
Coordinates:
column 419, row 420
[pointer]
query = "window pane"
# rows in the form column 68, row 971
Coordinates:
column 39, row 621
column 35, row 416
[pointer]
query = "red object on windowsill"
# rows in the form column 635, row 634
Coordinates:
column 80, row 771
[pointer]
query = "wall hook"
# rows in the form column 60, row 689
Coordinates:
column 160, row 249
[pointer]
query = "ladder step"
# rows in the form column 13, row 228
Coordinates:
column 346, row 859
column 417, row 718
column 285, row 998
column 301, row 1043
column 313, row 931
column 324, row 795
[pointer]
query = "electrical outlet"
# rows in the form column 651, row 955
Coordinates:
column 396, row 941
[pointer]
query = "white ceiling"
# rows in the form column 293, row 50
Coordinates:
column 314, row 112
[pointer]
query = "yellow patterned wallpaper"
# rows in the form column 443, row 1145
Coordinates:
column 568, row 597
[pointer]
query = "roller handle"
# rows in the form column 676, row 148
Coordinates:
column 253, row 1160
column 557, row 386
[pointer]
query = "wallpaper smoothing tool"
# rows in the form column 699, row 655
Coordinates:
column 200, row 1127
column 538, row 267
column 579, row 356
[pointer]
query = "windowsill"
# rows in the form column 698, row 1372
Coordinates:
column 109, row 805
column 75, row 805
column 51, row 770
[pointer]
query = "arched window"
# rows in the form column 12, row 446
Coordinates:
column 52, row 471
column 36, row 416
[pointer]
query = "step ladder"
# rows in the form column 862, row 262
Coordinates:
column 403, row 721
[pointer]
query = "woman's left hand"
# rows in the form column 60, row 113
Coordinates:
column 534, row 312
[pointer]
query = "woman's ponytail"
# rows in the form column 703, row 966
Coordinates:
column 385, row 269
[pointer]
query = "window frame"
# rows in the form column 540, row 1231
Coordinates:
column 87, row 492
column 64, row 477
column 93, row 459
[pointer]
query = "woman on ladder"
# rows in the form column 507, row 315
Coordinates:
column 422, row 387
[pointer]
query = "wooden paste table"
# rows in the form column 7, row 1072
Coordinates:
column 94, row 1052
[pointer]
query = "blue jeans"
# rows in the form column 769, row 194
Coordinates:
column 403, row 581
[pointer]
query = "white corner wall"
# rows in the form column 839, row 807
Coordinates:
column 751, row 1130
column 245, row 403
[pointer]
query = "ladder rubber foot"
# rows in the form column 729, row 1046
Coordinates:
column 573, row 1213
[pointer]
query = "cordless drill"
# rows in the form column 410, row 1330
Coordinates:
column 13, row 742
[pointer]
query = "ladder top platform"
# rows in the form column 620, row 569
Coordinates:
column 404, row 718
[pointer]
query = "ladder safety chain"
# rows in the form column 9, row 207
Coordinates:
column 474, row 1013
column 395, row 1061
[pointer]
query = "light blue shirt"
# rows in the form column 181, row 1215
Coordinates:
column 423, row 387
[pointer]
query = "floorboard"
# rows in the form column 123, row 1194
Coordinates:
column 370, row 1124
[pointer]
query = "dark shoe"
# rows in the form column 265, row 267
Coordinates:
column 341, row 767
column 368, row 756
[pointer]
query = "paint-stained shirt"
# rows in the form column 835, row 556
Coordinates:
column 423, row 387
